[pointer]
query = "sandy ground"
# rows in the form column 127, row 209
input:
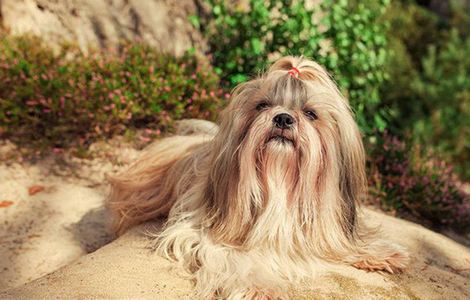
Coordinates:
column 52, row 220
column 51, row 212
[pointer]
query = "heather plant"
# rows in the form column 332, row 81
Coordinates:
column 422, row 188
column 348, row 37
column 67, row 98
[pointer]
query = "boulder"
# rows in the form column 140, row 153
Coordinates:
column 127, row 268
column 163, row 24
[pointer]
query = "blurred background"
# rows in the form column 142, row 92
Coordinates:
column 77, row 73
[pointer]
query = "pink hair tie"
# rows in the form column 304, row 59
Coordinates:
column 294, row 72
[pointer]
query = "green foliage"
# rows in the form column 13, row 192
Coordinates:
column 359, row 53
column 348, row 37
column 414, row 26
column 70, row 98
column 442, row 90
column 429, row 85
column 421, row 188
column 242, row 38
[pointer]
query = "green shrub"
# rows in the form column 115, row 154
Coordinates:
column 423, row 189
column 414, row 26
column 443, row 94
column 429, row 84
column 68, row 98
column 348, row 38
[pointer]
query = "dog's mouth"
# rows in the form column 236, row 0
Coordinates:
column 282, row 137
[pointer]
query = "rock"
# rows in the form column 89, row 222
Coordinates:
column 163, row 24
column 126, row 268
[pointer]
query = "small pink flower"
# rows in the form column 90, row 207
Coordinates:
column 57, row 150
column 145, row 139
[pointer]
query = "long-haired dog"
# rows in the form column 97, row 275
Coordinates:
column 252, row 208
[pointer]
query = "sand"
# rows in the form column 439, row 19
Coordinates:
column 55, row 209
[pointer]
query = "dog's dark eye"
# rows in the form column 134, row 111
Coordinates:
column 262, row 105
column 311, row 114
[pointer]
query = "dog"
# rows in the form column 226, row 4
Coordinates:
column 253, row 206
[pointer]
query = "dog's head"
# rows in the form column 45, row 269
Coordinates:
column 288, row 136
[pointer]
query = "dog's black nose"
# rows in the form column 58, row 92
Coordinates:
column 283, row 121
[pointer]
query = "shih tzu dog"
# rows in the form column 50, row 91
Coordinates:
column 253, row 207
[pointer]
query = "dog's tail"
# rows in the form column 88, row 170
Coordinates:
column 149, row 187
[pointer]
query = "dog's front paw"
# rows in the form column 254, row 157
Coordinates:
column 394, row 263
column 262, row 295
column 382, row 256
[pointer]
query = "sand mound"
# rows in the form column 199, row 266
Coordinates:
column 126, row 268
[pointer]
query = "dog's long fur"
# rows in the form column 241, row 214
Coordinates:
column 252, row 208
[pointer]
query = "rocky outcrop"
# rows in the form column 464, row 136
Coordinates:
column 126, row 268
column 163, row 24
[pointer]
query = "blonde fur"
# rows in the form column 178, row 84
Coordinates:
column 252, row 208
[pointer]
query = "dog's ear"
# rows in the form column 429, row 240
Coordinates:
column 351, row 156
column 353, row 183
column 229, row 207
column 351, row 160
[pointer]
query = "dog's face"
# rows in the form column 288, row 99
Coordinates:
column 287, row 144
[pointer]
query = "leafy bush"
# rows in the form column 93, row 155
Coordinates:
column 68, row 98
column 429, row 85
column 415, row 26
column 348, row 38
column 424, row 189
column 443, row 93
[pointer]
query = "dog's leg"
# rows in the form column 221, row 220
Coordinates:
column 221, row 272
column 380, row 255
column 242, row 275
